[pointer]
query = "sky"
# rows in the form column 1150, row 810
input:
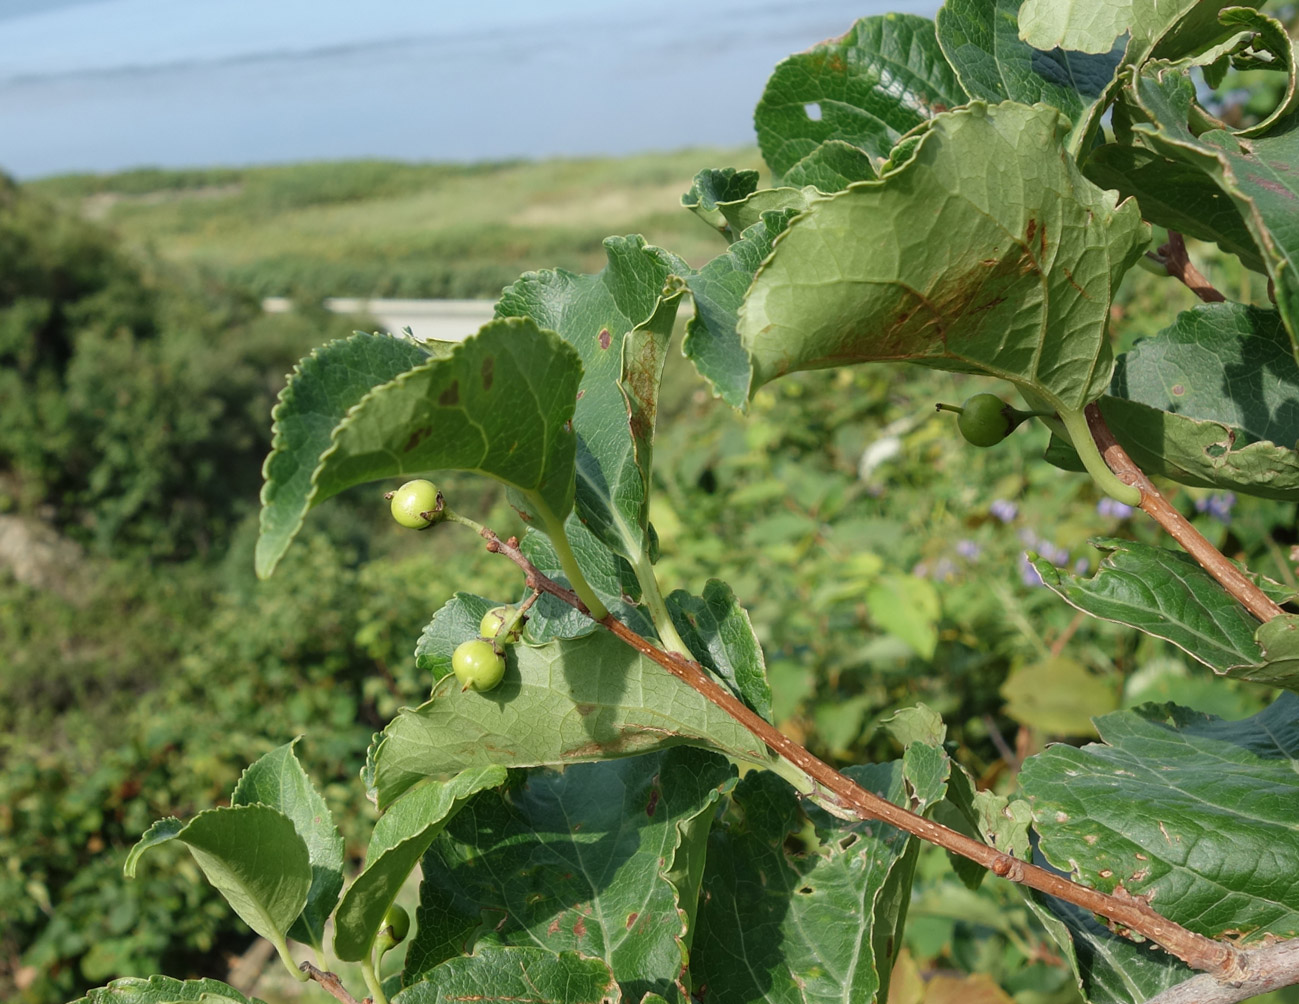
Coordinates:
column 103, row 85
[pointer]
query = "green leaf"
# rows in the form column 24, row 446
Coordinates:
column 981, row 40
column 907, row 608
column 1256, row 174
column 511, row 975
column 801, row 913
column 1175, row 195
column 1269, row 48
column 866, row 88
column 500, row 403
column 320, row 391
column 401, row 836
column 1165, row 593
column 714, row 185
column 574, row 861
column 1110, row 968
column 165, row 990
column 619, row 321
column 277, row 780
column 1220, row 362
column 456, row 621
column 718, row 632
column 831, row 167
column 1169, row 30
column 712, row 342
column 1007, row 272
column 608, row 573
column 1208, row 454
column 1191, row 811
column 1058, row 695
column 254, row 857
column 565, row 702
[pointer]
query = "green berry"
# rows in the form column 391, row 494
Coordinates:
column 414, row 498
column 985, row 420
column 495, row 619
column 399, row 920
column 477, row 665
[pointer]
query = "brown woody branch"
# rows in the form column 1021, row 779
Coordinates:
column 1127, row 911
column 1174, row 258
column 1262, row 971
column 331, row 983
column 1176, row 525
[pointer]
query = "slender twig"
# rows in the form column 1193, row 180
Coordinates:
column 330, row 982
column 1153, row 502
column 1174, row 258
column 1130, row 912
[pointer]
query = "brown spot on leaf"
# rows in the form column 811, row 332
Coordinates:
column 579, row 927
column 631, row 919
column 417, row 436
column 653, row 802
column 450, row 397
column 489, row 364
column 1178, row 390
column 1028, row 233
column 554, row 927
column 605, row 338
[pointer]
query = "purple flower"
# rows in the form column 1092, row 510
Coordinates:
column 968, row 549
column 1081, row 566
column 1218, row 505
column 1004, row 509
column 1113, row 508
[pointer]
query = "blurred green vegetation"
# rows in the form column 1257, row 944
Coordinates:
column 383, row 229
column 879, row 555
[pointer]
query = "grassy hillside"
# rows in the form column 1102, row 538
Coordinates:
column 375, row 228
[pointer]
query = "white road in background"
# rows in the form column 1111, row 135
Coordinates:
column 443, row 320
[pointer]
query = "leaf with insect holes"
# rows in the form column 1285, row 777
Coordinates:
column 1194, row 812
column 881, row 79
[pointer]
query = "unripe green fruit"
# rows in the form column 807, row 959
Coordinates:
column 477, row 665
column 399, row 920
column 490, row 626
column 985, row 420
column 414, row 498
